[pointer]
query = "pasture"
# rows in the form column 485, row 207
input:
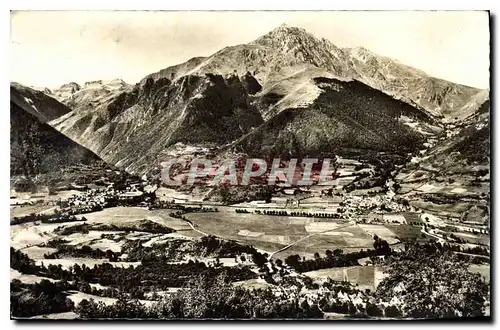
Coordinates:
column 381, row 231
column 365, row 277
column 24, row 210
column 77, row 296
column 129, row 215
column 481, row 269
column 28, row 278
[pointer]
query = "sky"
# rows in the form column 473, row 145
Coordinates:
column 50, row 48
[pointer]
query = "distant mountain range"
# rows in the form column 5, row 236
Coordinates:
column 286, row 93
column 37, row 103
column 470, row 146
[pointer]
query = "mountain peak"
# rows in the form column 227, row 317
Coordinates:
column 288, row 28
column 286, row 35
column 295, row 46
column 71, row 84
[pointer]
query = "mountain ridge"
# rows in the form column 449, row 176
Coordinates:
column 234, row 92
column 286, row 50
column 435, row 95
column 193, row 109
column 37, row 103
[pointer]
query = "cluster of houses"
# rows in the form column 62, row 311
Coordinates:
column 98, row 198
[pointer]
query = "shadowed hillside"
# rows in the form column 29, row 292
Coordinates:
column 36, row 148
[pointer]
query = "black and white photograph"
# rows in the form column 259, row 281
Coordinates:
column 250, row 165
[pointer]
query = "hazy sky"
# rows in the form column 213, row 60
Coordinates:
column 51, row 48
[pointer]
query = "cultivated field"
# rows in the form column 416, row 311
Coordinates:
column 26, row 198
column 381, row 231
column 305, row 235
